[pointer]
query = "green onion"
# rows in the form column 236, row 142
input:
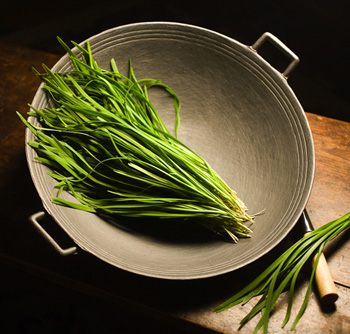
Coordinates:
column 283, row 273
column 108, row 147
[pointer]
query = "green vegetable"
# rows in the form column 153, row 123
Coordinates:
column 283, row 274
column 107, row 145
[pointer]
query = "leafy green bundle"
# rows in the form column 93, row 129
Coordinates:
column 282, row 274
column 107, row 145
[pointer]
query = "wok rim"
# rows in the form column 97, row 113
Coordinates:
column 262, row 65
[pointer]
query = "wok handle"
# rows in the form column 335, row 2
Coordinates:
column 282, row 47
column 324, row 281
column 323, row 277
column 34, row 220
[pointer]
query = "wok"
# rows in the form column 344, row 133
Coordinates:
column 238, row 112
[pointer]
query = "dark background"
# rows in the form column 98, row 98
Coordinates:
column 317, row 31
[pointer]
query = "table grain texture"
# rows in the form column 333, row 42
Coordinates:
column 185, row 305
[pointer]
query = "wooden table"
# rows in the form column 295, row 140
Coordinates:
column 184, row 306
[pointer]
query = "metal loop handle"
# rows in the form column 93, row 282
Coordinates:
column 40, row 215
column 282, row 47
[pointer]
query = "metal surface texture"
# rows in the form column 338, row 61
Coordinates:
column 238, row 112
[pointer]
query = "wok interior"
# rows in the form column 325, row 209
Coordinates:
column 238, row 114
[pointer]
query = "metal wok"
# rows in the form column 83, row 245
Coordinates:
column 238, row 112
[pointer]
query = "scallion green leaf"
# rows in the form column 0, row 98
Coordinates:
column 107, row 146
column 283, row 273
